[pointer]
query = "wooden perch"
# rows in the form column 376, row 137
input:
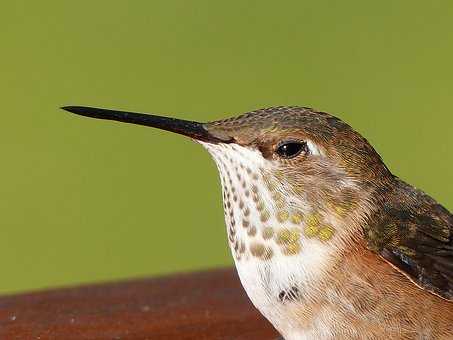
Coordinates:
column 204, row 305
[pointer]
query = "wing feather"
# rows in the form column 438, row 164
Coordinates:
column 415, row 234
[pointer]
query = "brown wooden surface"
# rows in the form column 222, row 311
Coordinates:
column 205, row 305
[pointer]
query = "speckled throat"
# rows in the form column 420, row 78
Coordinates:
column 281, row 243
column 263, row 218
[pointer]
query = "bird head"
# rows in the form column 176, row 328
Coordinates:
column 287, row 173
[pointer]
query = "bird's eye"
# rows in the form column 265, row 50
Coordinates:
column 291, row 149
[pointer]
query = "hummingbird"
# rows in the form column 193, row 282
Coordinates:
column 327, row 242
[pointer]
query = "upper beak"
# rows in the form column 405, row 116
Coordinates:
column 191, row 129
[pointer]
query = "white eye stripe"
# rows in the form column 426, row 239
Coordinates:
column 313, row 148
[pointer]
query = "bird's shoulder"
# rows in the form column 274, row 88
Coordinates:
column 415, row 234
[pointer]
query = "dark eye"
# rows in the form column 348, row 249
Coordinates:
column 290, row 149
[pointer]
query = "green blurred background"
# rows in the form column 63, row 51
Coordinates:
column 86, row 200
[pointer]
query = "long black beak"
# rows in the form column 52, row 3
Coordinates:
column 191, row 129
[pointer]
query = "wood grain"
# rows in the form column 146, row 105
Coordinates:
column 204, row 305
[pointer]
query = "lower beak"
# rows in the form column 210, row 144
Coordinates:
column 191, row 129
